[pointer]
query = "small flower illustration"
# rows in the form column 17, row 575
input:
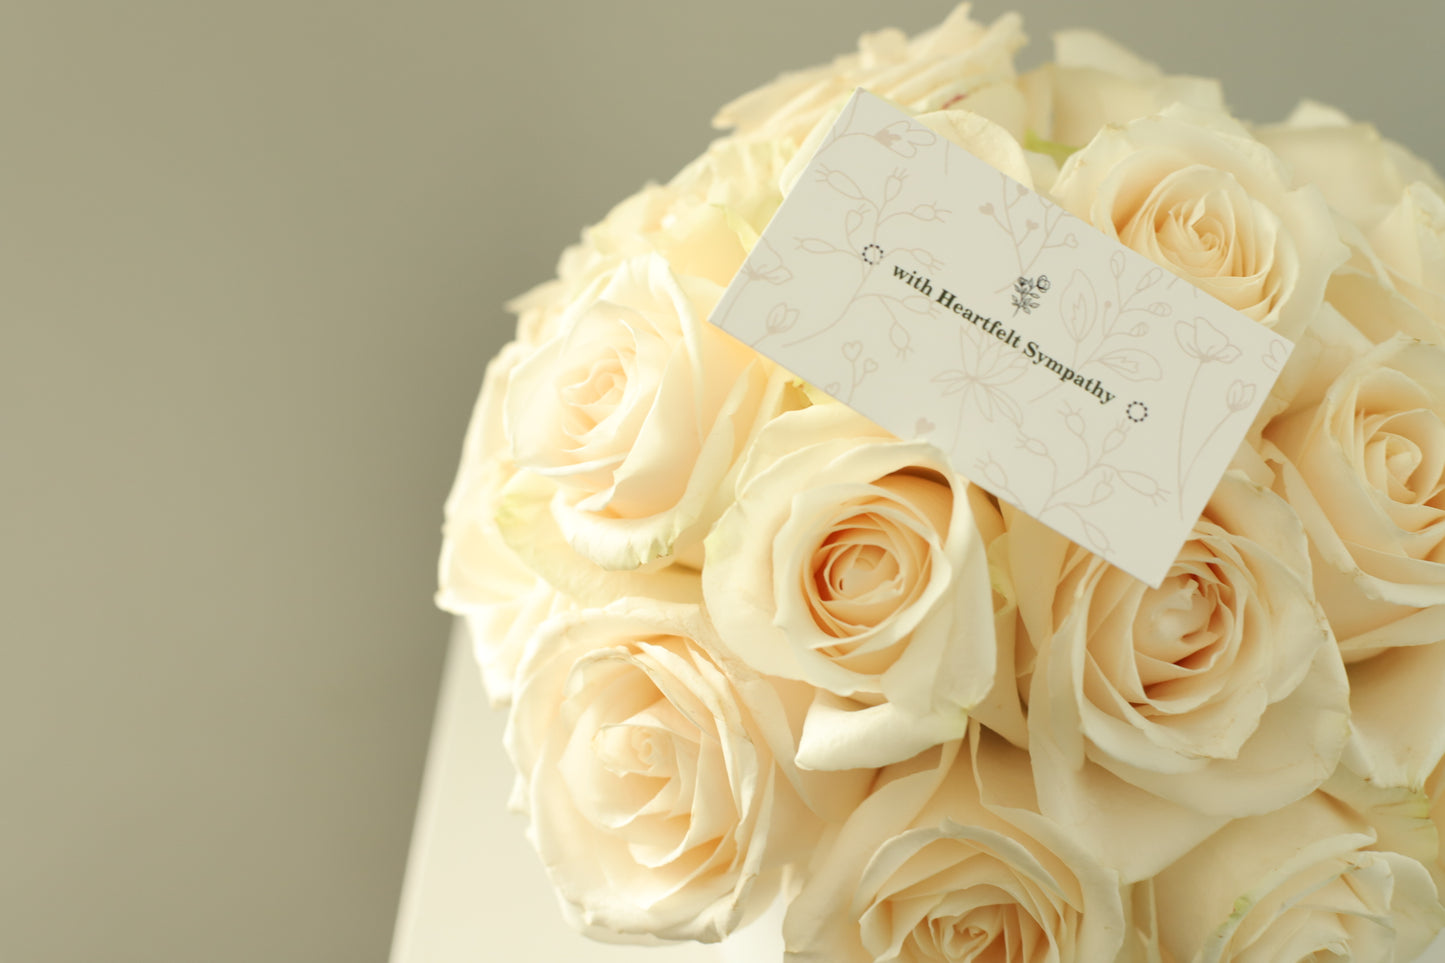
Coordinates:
column 1026, row 293
column 781, row 318
column 1240, row 396
column 983, row 377
column 766, row 264
column 904, row 139
column 1202, row 340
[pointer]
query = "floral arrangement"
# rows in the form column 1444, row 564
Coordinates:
column 756, row 649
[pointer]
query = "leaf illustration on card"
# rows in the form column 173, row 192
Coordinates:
column 1150, row 278
column 1098, row 541
column 840, row 182
column 1133, row 364
column 1143, row 484
column 1079, row 306
column 1008, row 407
column 953, row 381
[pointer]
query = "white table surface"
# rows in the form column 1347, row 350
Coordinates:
column 475, row 891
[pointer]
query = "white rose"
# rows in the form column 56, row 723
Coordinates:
column 655, row 772
column 632, row 415
column 851, row 561
column 947, row 860
column 1295, row 885
column 959, row 62
column 1092, row 83
column 1195, row 193
column 1365, row 468
column 1218, row 694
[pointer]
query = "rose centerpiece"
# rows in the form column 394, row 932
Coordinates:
column 757, row 651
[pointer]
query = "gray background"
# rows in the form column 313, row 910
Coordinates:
column 252, row 257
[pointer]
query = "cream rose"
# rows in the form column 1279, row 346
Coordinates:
column 1092, row 83
column 1392, row 771
column 1221, row 693
column 1365, row 468
column 1435, row 797
column 1361, row 174
column 1411, row 242
column 632, row 415
column 703, row 221
column 1295, row 885
column 502, row 594
column 959, row 62
column 1393, row 203
column 1397, row 716
column 1194, row 192
column 479, row 577
column 947, row 860
column 851, row 561
column 656, row 773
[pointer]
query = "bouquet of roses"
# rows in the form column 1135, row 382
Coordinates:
column 756, row 648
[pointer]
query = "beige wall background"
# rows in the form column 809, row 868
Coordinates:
column 252, row 257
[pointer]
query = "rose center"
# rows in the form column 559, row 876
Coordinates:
column 1197, row 238
column 976, row 937
column 627, row 749
column 1400, row 458
column 1180, row 631
column 856, row 571
column 864, row 571
column 591, row 393
column 1403, row 455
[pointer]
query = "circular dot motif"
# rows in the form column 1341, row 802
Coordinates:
column 1137, row 411
column 872, row 253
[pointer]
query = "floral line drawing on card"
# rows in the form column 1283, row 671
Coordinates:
column 861, row 366
column 1202, row 340
column 780, row 320
column 1046, row 220
column 1100, row 324
column 860, row 237
column 1093, row 477
column 985, row 369
column 864, row 231
column 764, row 263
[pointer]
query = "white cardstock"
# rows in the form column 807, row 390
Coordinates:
column 1059, row 370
